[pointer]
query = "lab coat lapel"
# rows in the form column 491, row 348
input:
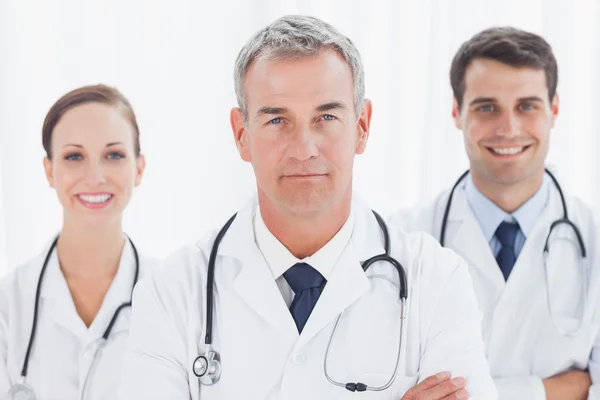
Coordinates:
column 468, row 241
column 348, row 281
column 56, row 296
column 254, row 282
column 119, row 292
column 256, row 286
column 525, row 273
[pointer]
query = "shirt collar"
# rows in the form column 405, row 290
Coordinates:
column 279, row 258
column 489, row 215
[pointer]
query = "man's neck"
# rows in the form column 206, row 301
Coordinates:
column 303, row 235
column 509, row 197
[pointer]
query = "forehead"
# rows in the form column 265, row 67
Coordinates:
column 92, row 123
column 317, row 79
column 490, row 78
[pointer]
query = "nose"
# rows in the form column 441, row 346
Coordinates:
column 508, row 125
column 95, row 174
column 304, row 144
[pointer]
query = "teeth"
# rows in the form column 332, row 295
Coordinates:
column 100, row 198
column 507, row 150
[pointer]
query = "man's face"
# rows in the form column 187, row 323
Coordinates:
column 302, row 131
column 506, row 119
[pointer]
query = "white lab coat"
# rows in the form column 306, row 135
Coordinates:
column 522, row 345
column 264, row 357
column 64, row 347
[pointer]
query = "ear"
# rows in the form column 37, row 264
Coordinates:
column 456, row 114
column 49, row 172
column 140, row 166
column 364, row 126
column 555, row 108
column 240, row 135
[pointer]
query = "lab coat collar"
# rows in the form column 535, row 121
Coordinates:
column 255, row 283
column 56, row 291
column 459, row 208
column 280, row 259
column 239, row 241
column 465, row 235
column 489, row 215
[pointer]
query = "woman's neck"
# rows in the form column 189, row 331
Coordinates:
column 86, row 252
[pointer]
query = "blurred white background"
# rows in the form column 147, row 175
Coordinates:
column 174, row 61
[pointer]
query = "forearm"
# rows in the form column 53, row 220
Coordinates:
column 572, row 385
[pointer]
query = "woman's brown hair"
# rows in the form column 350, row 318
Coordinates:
column 88, row 94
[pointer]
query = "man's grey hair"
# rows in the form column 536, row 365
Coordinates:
column 295, row 37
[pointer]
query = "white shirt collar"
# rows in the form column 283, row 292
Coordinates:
column 279, row 258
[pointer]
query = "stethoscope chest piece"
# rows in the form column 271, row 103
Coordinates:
column 207, row 367
column 21, row 391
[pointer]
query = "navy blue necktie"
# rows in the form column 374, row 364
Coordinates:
column 306, row 283
column 506, row 258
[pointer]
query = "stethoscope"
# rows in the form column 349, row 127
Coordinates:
column 22, row 390
column 562, row 221
column 207, row 366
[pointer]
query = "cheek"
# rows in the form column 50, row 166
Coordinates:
column 65, row 178
column 266, row 152
column 475, row 130
column 538, row 128
column 339, row 151
column 124, row 177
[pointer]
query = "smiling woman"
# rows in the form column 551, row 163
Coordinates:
column 109, row 158
column 77, row 288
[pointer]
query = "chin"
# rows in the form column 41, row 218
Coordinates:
column 307, row 203
column 511, row 176
column 96, row 220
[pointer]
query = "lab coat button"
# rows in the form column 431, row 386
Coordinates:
column 299, row 359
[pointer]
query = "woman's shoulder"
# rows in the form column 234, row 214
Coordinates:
column 24, row 277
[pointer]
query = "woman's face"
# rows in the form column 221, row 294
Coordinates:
column 94, row 167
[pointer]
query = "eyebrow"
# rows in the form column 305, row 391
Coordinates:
column 271, row 110
column 531, row 98
column 267, row 110
column 480, row 100
column 334, row 105
column 81, row 147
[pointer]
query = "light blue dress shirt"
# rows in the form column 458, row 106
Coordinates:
column 490, row 216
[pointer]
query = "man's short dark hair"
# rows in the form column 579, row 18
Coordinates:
column 510, row 46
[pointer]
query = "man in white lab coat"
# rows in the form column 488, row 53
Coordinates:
column 540, row 308
column 292, row 260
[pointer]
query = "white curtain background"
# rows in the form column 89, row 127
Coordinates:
column 174, row 61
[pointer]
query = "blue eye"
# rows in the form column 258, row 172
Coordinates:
column 526, row 107
column 487, row 108
column 73, row 157
column 276, row 121
column 328, row 117
column 115, row 156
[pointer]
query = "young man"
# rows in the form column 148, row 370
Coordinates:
column 292, row 260
column 537, row 291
